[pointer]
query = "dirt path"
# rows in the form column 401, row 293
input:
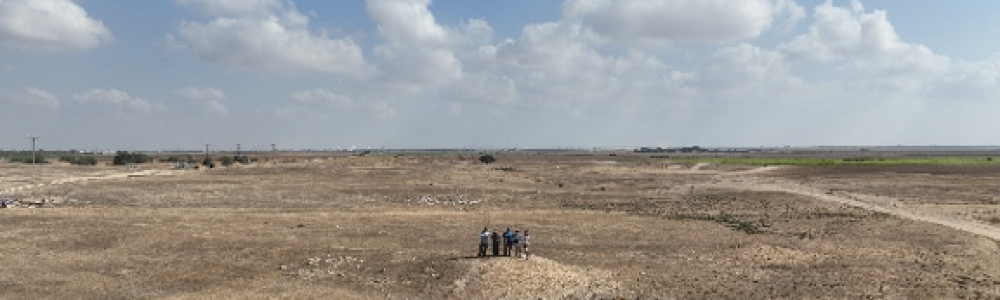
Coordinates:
column 699, row 166
column 538, row 278
column 874, row 203
column 74, row 179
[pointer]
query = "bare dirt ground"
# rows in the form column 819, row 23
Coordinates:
column 406, row 228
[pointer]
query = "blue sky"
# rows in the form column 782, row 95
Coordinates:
column 169, row 74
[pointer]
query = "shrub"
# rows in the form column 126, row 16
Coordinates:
column 79, row 160
column 27, row 159
column 487, row 159
column 126, row 158
column 86, row 161
column 171, row 159
column 243, row 159
column 226, row 161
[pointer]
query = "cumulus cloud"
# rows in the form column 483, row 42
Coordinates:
column 49, row 25
column 419, row 53
column 552, row 64
column 841, row 32
column 211, row 99
column 744, row 70
column 263, row 35
column 866, row 48
column 665, row 21
column 407, row 22
column 31, row 96
column 119, row 99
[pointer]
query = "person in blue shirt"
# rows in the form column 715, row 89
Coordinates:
column 508, row 241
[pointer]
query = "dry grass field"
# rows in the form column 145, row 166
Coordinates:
column 405, row 227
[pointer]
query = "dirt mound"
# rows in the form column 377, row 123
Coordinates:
column 537, row 278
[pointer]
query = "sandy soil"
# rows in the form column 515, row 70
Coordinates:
column 406, row 228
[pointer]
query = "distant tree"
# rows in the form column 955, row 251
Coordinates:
column 86, row 161
column 171, row 159
column 487, row 159
column 243, row 159
column 226, row 161
column 125, row 158
column 207, row 161
column 79, row 160
column 39, row 159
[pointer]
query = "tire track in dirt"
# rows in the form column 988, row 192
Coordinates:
column 879, row 204
column 75, row 179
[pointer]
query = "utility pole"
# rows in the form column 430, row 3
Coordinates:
column 34, row 156
column 238, row 150
column 206, row 149
column 33, row 139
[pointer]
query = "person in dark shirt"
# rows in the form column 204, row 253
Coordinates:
column 508, row 241
column 496, row 242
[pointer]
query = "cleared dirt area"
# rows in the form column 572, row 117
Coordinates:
column 406, row 228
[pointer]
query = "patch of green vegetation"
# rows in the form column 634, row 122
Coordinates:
column 39, row 159
column 816, row 161
column 79, row 160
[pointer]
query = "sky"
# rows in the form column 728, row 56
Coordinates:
column 177, row 74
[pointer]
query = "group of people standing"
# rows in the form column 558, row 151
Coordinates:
column 511, row 241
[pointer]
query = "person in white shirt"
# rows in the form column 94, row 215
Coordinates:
column 517, row 243
column 526, row 241
column 484, row 242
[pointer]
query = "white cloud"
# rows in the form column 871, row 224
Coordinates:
column 208, row 98
column 664, row 21
column 745, row 71
column 483, row 87
column 233, row 7
column 866, row 49
column 325, row 98
column 119, row 99
column 551, row 64
column 49, row 25
column 419, row 53
column 32, row 97
column 407, row 22
column 849, row 33
column 976, row 82
column 279, row 40
column 321, row 103
column 202, row 93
